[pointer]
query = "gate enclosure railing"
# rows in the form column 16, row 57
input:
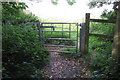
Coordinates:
column 84, row 32
column 63, row 28
column 82, row 44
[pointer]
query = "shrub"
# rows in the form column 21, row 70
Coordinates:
column 22, row 54
column 102, row 28
column 102, row 64
column 97, row 45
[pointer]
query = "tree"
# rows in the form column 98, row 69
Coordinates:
column 116, row 44
column 22, row 55
column 55, row 2
column 11, row 10
column 100, row 3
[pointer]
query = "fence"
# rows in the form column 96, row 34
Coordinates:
column 84, row 32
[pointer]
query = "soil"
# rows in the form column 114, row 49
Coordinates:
column 61, row 67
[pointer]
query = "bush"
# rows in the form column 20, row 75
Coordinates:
column 97, row 45
column 22, row 54
column 102, row 64
column 102, row 28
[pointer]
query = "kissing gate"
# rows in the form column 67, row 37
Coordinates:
column 68, row 35
column 64, row 35
column 58, row 34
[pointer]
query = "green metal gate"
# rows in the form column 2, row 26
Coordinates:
column 58, row 34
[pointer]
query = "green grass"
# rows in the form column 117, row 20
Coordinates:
column 55, row 35
column 58, row 27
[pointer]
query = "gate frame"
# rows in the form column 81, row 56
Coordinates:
column 69, row 26
column 40, row 29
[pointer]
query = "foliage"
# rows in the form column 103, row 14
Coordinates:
column 100, row 3
column 23, row 56
column 12, row 13
column 21, row 47
column 55, row 2
column 102, row 65
column 111, row 15
column 102, row 28
column 11, row 10
column 71, row 2
column 100, row 46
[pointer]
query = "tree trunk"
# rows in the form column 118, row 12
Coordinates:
column 116, row 43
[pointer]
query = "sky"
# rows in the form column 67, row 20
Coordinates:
column 62, row 11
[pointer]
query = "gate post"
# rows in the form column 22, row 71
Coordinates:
column 84, row 35
column 40, row 33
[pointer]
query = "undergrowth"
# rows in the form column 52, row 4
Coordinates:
column 101, row 63
column 22, row 53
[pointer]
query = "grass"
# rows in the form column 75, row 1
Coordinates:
column 55, row 35
column 58, row 27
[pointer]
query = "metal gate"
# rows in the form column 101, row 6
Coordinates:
column 58, row 34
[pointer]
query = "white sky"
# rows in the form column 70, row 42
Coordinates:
column 63, row 11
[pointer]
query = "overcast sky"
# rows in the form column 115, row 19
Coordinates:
column 63, row 12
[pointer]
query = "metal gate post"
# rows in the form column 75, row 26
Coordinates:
column 82, row 38
column 84, row 35
column 77, row 39
column 40, row 33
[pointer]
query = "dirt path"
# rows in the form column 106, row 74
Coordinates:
column 60, row 67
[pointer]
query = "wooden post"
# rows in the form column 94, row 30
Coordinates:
column 87, row 22
column 84, row 35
